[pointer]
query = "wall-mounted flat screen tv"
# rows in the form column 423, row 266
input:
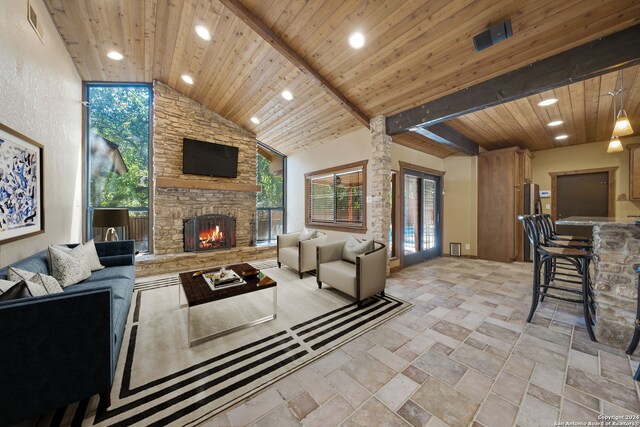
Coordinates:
column 209, row 159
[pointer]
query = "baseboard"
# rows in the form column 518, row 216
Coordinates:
column 462, row 256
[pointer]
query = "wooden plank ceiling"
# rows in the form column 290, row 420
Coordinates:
column 585, row 109
column 416, row 51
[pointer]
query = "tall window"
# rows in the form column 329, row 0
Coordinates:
column 271, row 169
column 118, row 156
column 336, row 197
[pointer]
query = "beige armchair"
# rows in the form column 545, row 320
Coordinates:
column 364, row 279
column 301, row 256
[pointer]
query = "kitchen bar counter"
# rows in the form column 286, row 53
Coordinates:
column 616, row 248
column 594, row 220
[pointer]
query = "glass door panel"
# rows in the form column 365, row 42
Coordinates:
column 411, row 226
column 421, row 218
column 428, row 214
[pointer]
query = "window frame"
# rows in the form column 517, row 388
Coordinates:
column 394, row 215
column 360, row 228
column 86, row 86
column 271, row 241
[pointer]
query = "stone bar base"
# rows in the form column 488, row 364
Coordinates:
column 617, row 249
column 149, row 265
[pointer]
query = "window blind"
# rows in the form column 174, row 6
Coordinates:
column 322, row 200
column 336, row 198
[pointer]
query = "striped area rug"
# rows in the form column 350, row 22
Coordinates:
column 161, row 381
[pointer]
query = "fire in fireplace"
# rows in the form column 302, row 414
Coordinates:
column 209, row 232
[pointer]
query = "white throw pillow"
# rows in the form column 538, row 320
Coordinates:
column 307, row 234
column 90, row 253
column 5, row 284
column 354, row 247
column 35, row 285
column 70, row 267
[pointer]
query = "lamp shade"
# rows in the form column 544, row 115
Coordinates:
column 615, row 146
column 622, row 127
column 110, row 217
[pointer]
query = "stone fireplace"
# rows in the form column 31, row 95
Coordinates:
column 209, row 232
column 187, row 208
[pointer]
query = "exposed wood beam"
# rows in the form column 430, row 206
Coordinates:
column 607, row 54
column 452, row 138
column 418, row 142
column 260, row 28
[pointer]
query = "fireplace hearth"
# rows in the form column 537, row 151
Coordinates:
column 209, row 233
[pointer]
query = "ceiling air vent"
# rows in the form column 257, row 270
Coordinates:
column 494, row 34
column 32, row 17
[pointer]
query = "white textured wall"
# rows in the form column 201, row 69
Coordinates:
column 349, row 148
column 353, row 147
column 461, row 203
column 400, row 153
column 41, row 98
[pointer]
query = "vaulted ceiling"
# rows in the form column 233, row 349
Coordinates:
column 416, row 51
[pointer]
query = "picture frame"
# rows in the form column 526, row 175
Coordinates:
column 21, row 186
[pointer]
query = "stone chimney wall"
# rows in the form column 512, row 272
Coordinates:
column 618, row 249
column 177, row 116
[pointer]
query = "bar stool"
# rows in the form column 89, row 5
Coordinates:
column 636, row 332
column 549, row 224
column 548, row 256
column 545, row 226
column 556, row 268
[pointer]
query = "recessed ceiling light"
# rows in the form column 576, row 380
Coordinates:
column 287, row 95
column 115, row 55
column 356, row 40
column 187, row 79
column 555, row 123
column 203, row 32
column 561, row 137
column 547, row 102
column 255, row 120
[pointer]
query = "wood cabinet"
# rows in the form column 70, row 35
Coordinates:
column 634, row 171
column 526, row 168
column 501, row 178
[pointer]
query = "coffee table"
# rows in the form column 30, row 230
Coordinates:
column 198, row 292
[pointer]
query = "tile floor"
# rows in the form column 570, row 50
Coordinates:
column 463, row 355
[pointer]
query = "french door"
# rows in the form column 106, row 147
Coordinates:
column 421, row 237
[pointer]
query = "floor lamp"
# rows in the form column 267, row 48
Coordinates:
column 110, row 218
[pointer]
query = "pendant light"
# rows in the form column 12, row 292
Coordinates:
column 622, row 126
column 615, row 146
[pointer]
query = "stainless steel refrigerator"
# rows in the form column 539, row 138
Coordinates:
column 532, row 206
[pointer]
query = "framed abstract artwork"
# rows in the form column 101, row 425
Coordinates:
column 21, row 186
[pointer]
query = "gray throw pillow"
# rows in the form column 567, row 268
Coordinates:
column 47, row 283
column 90, row 253
column 354, row 247
column 50, row 283
column 307, row 234
column 70, row 267
column 35, row 285
column 18, row 291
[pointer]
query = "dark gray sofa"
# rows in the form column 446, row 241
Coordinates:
column 62, row 348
